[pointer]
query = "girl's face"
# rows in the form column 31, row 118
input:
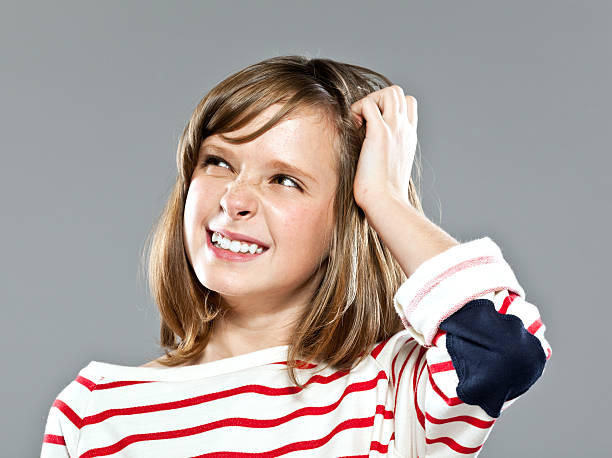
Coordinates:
column 245, row 192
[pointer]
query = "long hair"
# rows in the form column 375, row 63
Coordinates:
column 351, row 308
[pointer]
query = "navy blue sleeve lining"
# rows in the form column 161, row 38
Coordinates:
column 495, row 357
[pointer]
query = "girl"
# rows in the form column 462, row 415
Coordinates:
column 308, row 306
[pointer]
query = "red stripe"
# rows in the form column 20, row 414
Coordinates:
column 450, row 401
column 91, row 386
column 537, row 324
column 393, row 367
column 465, row 418
column 303, row 445
column 379, row 348
column 295, row 446
column 439, row 334
column 53, row 439
column 454, row 445
column 381, row 410
column 415, row 384
column 441, row 367
column 68, row 413
column 109, row 385
column 79, row 422
column 86, row 383
column 374, row 445
column 507, row 301
column 393, row 363
column 260, row 389
column 549, row 351
column 399, row 377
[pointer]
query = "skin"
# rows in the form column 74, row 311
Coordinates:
column 381, row 180
column 382, row 177
column 267, row 294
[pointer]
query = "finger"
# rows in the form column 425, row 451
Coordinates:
column 388, row 104
column 385, row 99
column 412, row 110
column 371, row 113
column 401, row 101
column 357, row 117
column 357, row 107
column 357, row 110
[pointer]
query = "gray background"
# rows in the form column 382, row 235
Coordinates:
column 514, row 128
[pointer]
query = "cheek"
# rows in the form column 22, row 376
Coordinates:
column 191, row 208
column 193, row 214
column 306, row 230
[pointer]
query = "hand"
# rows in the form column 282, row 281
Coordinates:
column 387, row 153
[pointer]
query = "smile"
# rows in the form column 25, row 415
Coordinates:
column 230, row 255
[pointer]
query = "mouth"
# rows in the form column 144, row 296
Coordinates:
column 211, row 245
column 238, row 237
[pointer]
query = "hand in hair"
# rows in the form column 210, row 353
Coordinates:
column 383, row 174
column 387, row 153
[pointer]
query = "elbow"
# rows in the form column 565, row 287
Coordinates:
column 524, row 363
column 495, row 357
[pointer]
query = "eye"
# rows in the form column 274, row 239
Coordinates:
column 212, row 159
column 215, row 160
column 285, row 177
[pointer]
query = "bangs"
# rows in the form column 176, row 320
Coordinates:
column 250, row 100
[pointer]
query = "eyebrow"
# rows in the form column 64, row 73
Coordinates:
column 275, row 163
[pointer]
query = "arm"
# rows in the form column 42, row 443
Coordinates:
column 473, row 346
column 480, row 343
column 410, row 236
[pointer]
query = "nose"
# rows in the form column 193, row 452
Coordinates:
column 239, row 200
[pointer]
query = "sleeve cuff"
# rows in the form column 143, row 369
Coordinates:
column 443, row 284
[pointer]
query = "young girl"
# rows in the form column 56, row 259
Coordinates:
column 308, row 306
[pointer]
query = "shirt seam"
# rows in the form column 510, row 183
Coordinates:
column 396, row 452
column 86, row 411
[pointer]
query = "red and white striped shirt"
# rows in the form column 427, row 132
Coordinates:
column 410, row 397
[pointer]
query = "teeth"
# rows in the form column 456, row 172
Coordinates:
column 234, row 245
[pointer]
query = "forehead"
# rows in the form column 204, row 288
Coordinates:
column 304, row 123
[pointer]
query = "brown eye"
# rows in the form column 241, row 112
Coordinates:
column 285, row 177
column 212, row 160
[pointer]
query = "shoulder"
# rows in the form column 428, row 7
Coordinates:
column 78, row 392
column 72, row 401
column 67, row 413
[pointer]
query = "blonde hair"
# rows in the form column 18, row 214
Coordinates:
column 352, row 306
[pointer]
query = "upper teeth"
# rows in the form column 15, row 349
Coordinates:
column 235, row 245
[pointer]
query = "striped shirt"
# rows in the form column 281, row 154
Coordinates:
column 471, row 346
